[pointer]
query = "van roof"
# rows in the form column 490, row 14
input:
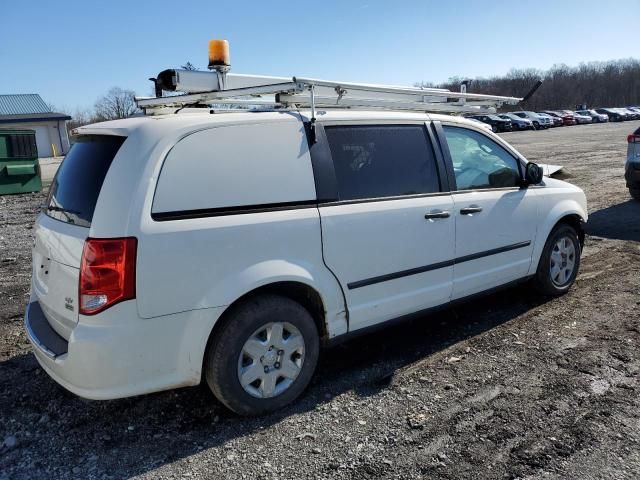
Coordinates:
column 204, row 117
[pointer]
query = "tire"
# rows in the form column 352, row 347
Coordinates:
column 242, row 345
column 494, row 128
column 635, row 193
column 552, row 278
column 536, row 126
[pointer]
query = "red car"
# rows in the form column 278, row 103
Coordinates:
column 567, row 117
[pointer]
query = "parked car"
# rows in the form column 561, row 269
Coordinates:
column 595, row 116
column 580, row 119
column 517, row 122
column 631, row 114
column 613, row 114
column 635, row 109
column 481, row 124
column 567, row 118
column 555, row 121
column 632, row 167
column 626, row 114
column 537, row 120
column 497, row 124
column 159, row 261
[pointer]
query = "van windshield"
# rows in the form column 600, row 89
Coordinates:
column 76, row 186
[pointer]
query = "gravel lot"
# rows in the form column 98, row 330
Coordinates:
column 510, row 386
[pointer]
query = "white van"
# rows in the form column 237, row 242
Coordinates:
column 229, row 247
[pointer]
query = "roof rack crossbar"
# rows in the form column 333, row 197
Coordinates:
column 298, row 92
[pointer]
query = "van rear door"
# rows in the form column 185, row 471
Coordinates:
column 64, row 225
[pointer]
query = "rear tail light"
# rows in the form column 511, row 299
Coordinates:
column 107, row 273
column 633, row 138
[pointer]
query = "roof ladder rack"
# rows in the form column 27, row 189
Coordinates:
column 201, row 88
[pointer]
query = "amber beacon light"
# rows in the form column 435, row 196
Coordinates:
column 218, row 54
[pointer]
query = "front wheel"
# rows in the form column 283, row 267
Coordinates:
column 263, row 356
column 559, row 262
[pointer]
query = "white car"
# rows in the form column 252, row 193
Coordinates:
column 538, row 120
column 632, row 166
column 229, row 247
column 581, row 119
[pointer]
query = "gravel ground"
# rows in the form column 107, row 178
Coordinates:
column 509, row 386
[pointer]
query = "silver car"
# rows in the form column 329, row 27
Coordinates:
column 580, row 119
column 537, row 120
column 632, row 167
column 595, row 116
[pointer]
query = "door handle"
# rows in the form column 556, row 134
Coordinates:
column 470, row 210
column 437, row 214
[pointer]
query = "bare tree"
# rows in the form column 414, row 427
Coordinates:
column 80, row 117
column 117, row 103
column 189, row 66
column 615, row 83
column 50, row 106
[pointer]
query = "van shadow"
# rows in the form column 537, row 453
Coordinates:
column 58, row 432
column 619, row 222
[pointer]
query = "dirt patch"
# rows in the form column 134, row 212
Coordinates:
column 509, row 386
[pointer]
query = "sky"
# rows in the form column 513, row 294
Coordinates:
column 71, row 52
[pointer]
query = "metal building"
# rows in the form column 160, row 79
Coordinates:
column 29, row 111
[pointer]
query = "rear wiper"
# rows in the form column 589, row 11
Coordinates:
column 54, row 208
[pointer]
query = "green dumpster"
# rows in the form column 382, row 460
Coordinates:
column 19, row 168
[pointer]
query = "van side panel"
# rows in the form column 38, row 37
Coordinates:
column 217, row 231
column 234, row 166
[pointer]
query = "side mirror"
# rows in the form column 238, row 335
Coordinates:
column 533, row 174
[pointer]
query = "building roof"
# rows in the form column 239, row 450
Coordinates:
column 33, row 117
column 22, row 104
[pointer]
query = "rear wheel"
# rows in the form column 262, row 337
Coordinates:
column 635, row 193
column 559, row 262
column 264, row 355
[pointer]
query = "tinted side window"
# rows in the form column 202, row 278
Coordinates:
column 479, row 162
column 382, row 161
column 75, row 189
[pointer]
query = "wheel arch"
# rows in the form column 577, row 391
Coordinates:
column 295, row 290
column 574, row 220
column 563, row 213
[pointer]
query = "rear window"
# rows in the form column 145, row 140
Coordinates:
column 75, row 189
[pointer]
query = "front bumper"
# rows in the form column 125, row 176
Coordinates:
column 117, row 354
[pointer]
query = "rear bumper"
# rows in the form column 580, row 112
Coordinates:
column 632, row 174
column 117, row 354
column 41, row 334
